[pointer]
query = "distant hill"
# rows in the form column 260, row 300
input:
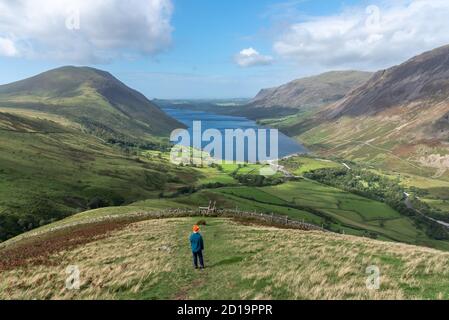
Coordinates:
column 400, row 113
column 306, row 93
column 92, row 98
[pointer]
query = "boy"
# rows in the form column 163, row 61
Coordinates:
column 197, row 244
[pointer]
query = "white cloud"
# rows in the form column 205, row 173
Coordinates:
column 373, row 37
column 84, row 30
column 7, row 48
column 250, row 57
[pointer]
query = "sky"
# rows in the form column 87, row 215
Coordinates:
column 205, row 49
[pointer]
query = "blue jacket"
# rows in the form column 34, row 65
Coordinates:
column 196, row 242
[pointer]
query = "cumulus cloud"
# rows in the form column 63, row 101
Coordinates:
column 372, row 37
column 84, row 31
column 251, row 57
column 7, row 48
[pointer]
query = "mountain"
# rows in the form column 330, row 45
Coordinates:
column 307, row 93
column 68, row 142
column 50, row 170
column 93, row 99
column 399, row 118
column 420, row 84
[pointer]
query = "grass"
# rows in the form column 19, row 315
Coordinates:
column 210, row 175
column 375, row 144
column 441, row 205
column 355, row 212
column 436, row 190
column 322, row 205
column 301, row 165
column 338, row 210
column 42, row 161
column 241, row 169
column 71, row 168
column 72, row 165
column 151, row 260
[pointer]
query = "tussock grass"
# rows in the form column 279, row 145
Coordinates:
column 151, row 260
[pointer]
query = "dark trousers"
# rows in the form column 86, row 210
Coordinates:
column 198, row 256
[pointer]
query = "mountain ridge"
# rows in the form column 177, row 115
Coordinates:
column 420, row 78
column 93, row 98
column 401, row 113
column 310, row 92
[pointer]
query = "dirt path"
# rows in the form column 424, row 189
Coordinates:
column 183, row 294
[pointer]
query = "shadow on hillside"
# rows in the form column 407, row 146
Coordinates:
column 226, row 262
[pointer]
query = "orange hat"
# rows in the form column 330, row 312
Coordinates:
column 196, row 228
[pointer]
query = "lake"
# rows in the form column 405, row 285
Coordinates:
column 287, row 146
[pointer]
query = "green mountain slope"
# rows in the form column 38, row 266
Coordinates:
column 150, row 259
column 93, row 99
column 49, row 171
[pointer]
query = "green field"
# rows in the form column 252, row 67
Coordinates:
column 241, row 169
column 434, row 192
column 315, row 203
column 212, row 175
column 350, row 210
column 301, row 165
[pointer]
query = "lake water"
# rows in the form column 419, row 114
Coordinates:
column 287, row 146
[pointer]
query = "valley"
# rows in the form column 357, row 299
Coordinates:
column 54, row 167
column 85, row 164
column 196, row 151
column 396, row 121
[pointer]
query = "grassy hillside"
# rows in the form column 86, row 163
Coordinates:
column 71, row 139
column 151, row 260
column 418, row 166
column 49, row 171
column 93, row 99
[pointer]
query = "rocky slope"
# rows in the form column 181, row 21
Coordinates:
column 310, row 92
column 400, row 117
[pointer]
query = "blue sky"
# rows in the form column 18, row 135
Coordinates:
column 216, row 48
